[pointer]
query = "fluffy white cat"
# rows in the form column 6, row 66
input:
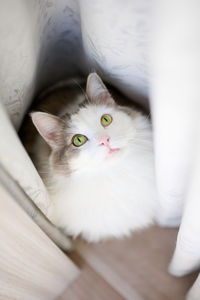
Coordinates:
column 99, row 169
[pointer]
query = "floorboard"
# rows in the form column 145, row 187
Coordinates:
column 133, row 268
column 89, row 285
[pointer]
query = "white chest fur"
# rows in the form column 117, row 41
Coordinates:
column 110, row 201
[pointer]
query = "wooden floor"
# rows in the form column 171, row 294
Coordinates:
column 134, row 268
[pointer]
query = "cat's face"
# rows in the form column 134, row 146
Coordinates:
column 96, row 135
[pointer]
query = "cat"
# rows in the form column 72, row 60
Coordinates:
column 97, row 164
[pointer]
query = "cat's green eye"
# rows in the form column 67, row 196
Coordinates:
column 79, row 140
column 106, row 120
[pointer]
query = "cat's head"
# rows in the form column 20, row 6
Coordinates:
column 95, row 135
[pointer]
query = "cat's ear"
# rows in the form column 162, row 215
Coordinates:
column 97, row 91
column 51, row 128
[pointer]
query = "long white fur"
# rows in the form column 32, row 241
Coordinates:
column 106, row 198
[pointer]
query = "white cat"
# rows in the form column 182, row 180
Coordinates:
column 100, row 169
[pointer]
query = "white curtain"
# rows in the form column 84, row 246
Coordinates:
column 143, row 48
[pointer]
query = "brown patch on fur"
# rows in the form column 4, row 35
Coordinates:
column 84, row 103
column 66, row 117
column 60, row 160
column 60, row 163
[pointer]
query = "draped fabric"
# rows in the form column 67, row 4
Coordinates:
column 136, row 46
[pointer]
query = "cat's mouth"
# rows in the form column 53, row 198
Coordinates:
column 111, row 152
column 105, row 142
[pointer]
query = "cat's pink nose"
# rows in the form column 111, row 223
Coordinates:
column 104, row 141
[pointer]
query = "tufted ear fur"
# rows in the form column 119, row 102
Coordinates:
column 51, row 128
column 97, row 91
